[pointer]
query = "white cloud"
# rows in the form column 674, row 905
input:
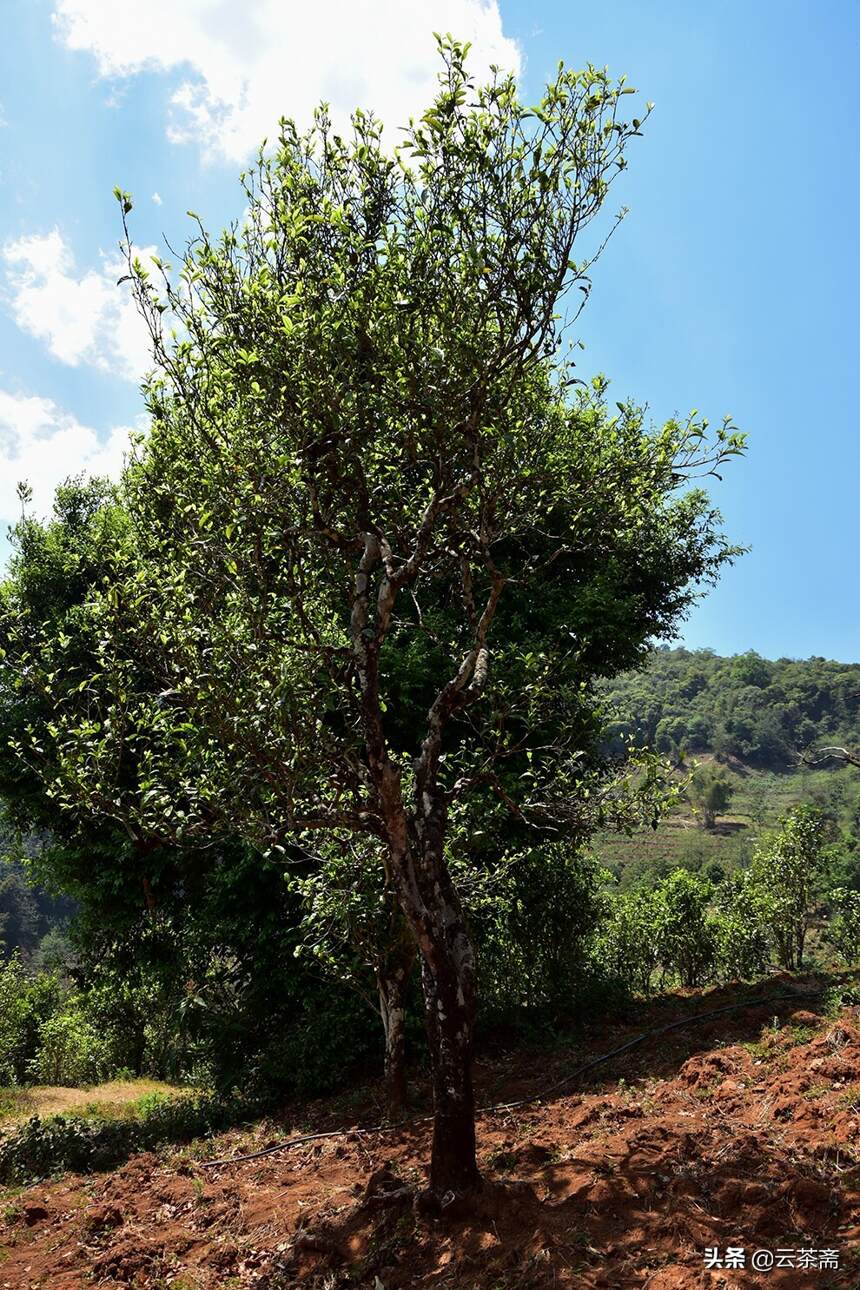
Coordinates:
column 83, row 318
column 245, row 65
column 42, row 444
column 156, row 197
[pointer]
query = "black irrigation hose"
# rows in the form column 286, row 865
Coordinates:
column 795, row 996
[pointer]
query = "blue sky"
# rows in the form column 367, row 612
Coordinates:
column 731, row 287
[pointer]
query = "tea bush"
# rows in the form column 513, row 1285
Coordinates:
column 843, row 932
column 683, row 932
column 625, row 946
column 71, row 1050
column 26, row 1004
column 740, row 922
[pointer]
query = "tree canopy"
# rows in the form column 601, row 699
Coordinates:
column 380, row 539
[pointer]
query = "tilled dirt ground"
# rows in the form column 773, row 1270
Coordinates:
column 738, row 1134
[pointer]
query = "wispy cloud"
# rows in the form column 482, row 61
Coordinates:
column 244, row 66
column 84, row 318
column 44, row 445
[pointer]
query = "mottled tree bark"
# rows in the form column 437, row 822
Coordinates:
column 415, row 833
column 392, row 979
column 448, row 978
column 433, row 910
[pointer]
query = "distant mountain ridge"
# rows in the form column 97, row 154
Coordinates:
column 762, row 711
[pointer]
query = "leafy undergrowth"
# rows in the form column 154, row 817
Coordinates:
column 741, row 1131
column 44, row 1147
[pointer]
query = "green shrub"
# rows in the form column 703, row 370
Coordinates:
column 740, row 925
column 684, row 935
column 533, row 933
column 26, row 1003
column 12, row 1019
column 843, row 931
column 42, row 1147
column 787, row 866
column 625, row 946
column 71, row 1050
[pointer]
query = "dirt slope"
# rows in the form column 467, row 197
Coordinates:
column 742, row 1132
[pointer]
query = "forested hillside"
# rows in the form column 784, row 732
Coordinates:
column 761, row 711
column 32, row 920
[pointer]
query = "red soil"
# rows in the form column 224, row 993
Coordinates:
column 733, row 1133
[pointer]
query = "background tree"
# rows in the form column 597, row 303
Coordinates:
column 187, row 954
column 364, row 448
column 710, row 792
column 843, row 930
column 787, row 867
column 356, row 932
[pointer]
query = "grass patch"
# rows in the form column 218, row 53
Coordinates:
column 502, row 1161
column 113, row 1100
column 759, row 1049
column 801, row 1035
column 16, row 1104
column 817, row 1090
column 850, row 1099
column 42, row 1146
